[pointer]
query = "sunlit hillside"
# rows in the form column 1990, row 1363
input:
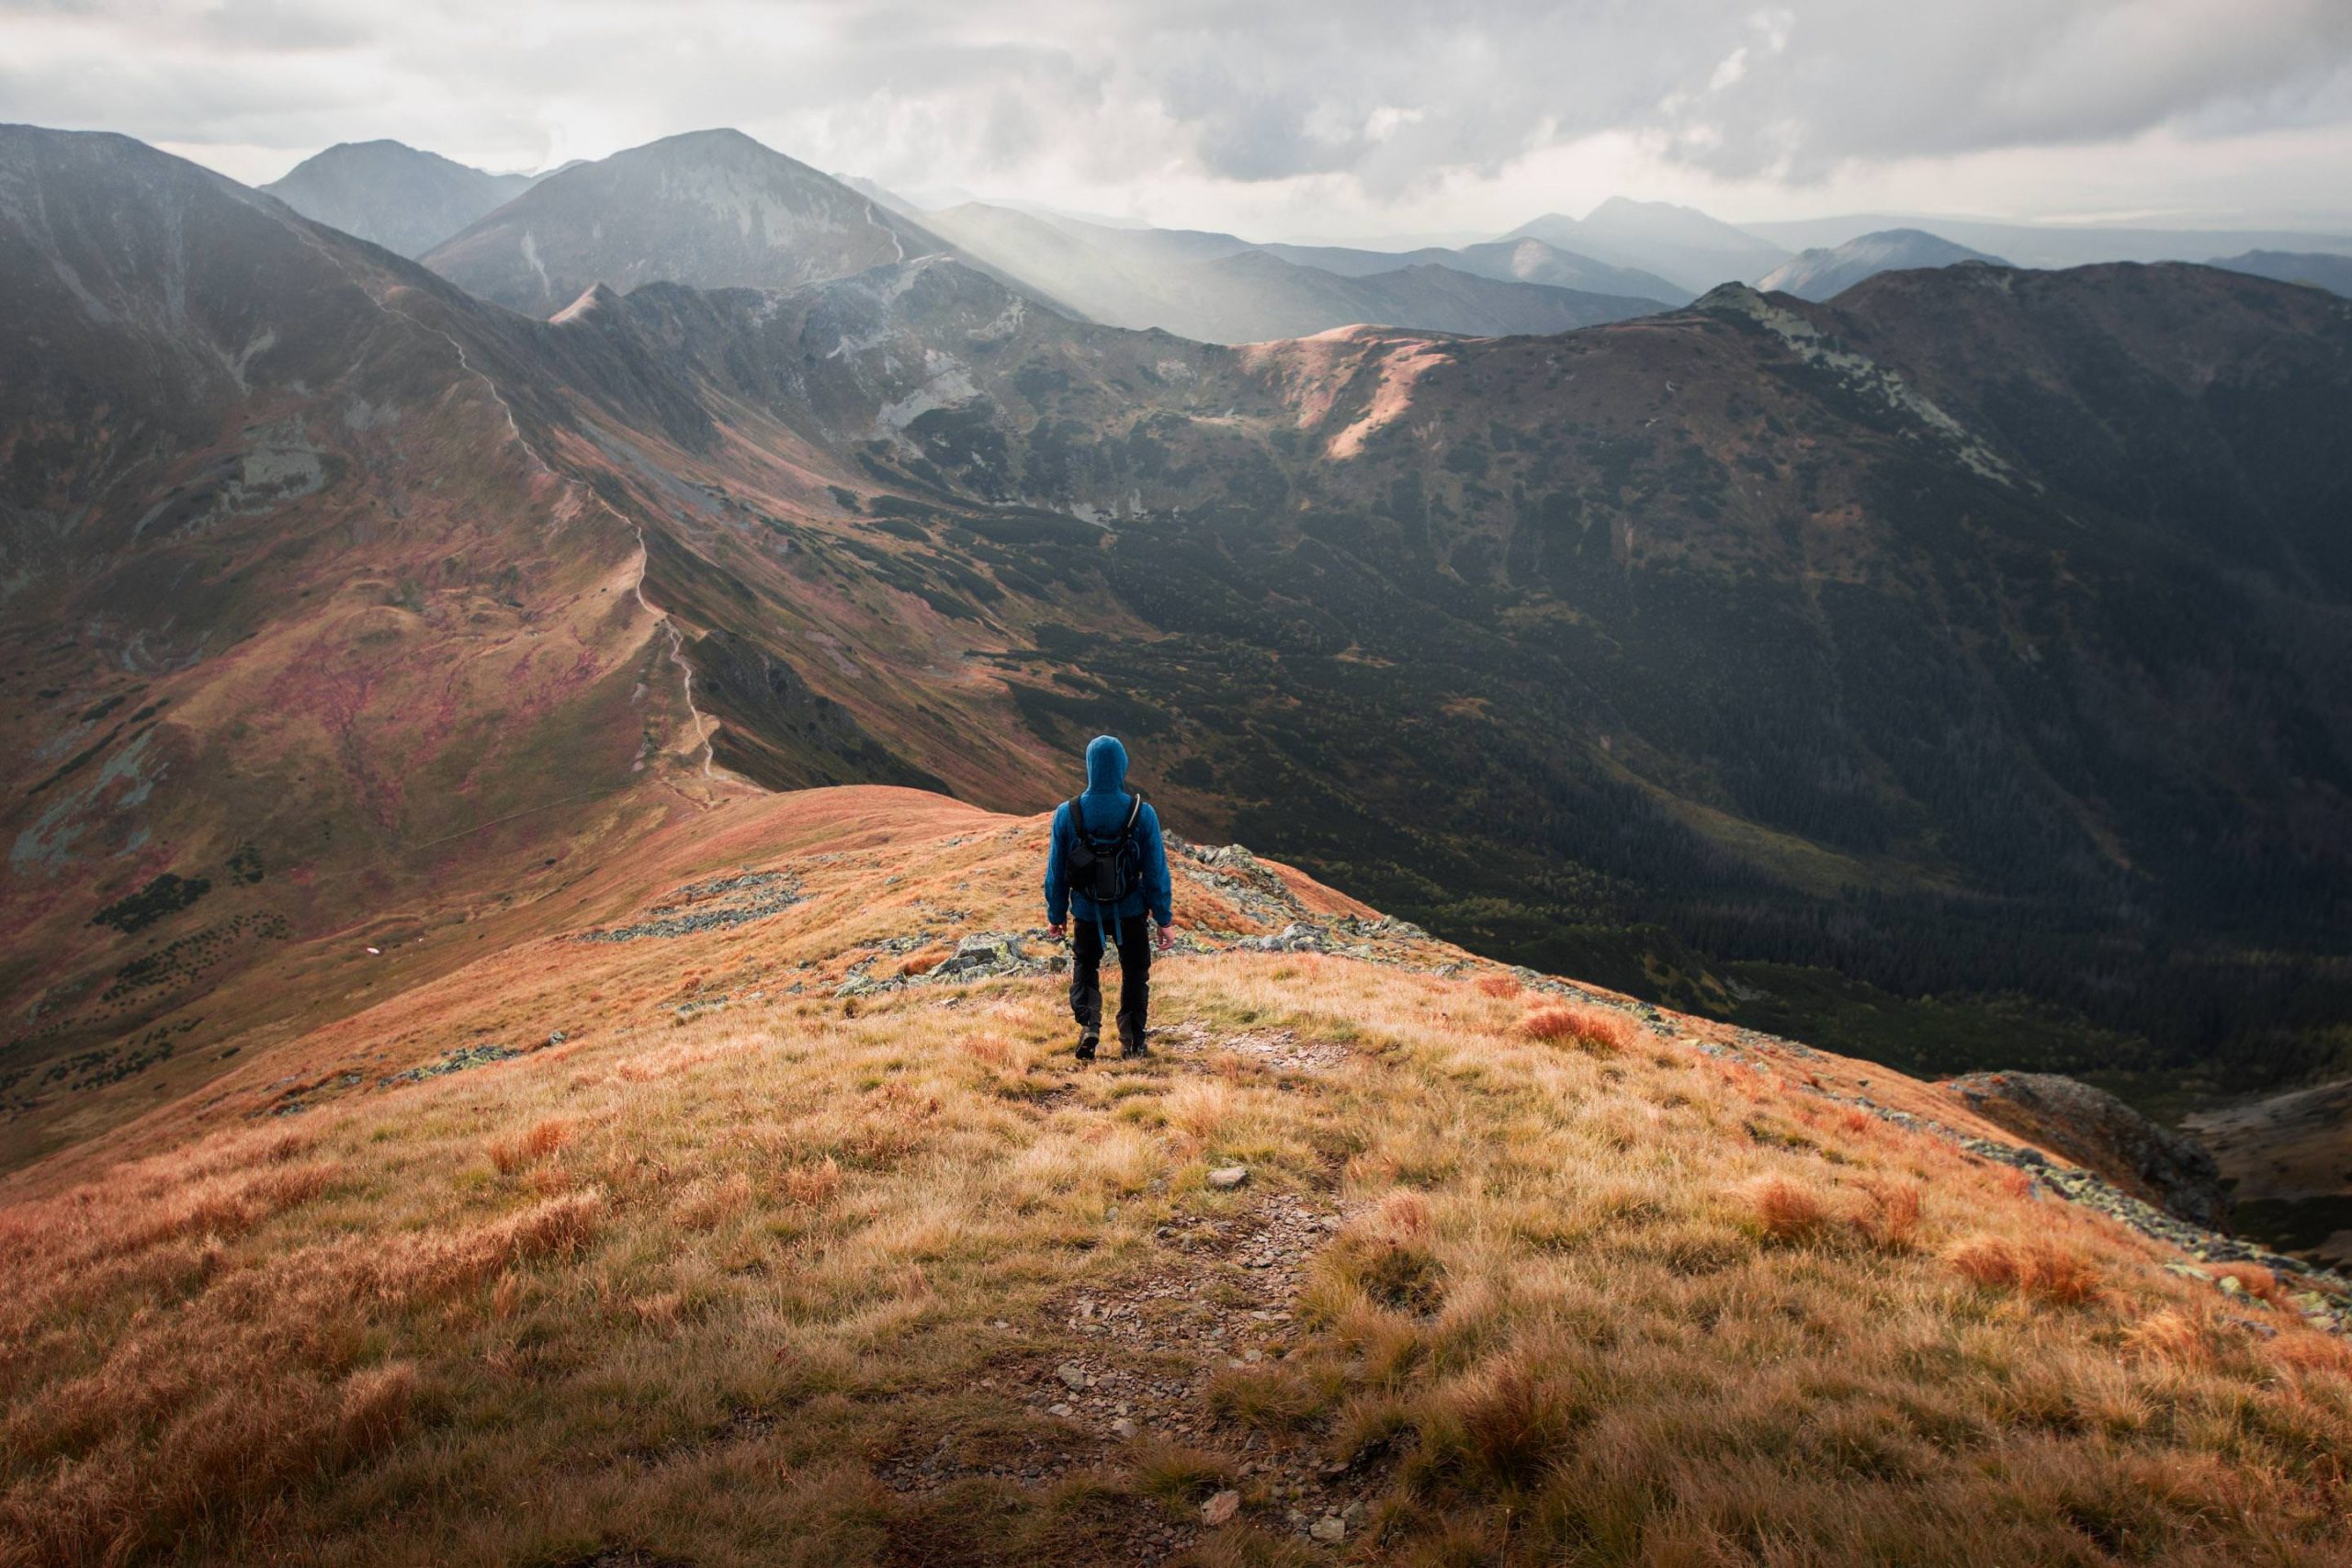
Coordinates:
column 761, row 1215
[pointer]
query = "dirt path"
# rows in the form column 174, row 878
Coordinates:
column 1159, row 1358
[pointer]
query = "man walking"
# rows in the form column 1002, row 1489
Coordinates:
column 1106, row 871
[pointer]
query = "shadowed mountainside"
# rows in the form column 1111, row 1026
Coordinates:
column 1669, row 602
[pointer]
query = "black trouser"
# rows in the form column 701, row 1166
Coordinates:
column 1134, row 936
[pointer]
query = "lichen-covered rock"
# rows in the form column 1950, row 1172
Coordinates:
column 1296, row 937
column 2099, row 1133
column 982, row 951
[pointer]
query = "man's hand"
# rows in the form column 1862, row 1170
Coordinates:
column 1056, row 930
column 1167, row 938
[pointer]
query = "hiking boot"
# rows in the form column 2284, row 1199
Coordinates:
column 1131, row 1041
column 1087, row 1040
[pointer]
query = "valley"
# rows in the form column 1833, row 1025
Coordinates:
column 528, row 1038
column 1960, row 658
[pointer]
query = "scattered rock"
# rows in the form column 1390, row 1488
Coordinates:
column 455, row 1062
column 1220, row 1509
column 1331, row 1527
column 1296, row 937
column 2098, row 1132
column 983, row 951
column 710, row 906
column 1071, row 1373
column 1226, row 1177
column 1280, row 1049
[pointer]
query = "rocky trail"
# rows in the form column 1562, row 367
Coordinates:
column 1132, row 1368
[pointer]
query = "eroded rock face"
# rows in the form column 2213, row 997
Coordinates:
column 2098, row 1132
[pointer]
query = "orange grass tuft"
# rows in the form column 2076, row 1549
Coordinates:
column 2042, row 1268
column 1897, row 1208
column 1500, row 984
column 2171, row 1337
column 530, row 1146
column 1595, row 1029
column 1787, row 1210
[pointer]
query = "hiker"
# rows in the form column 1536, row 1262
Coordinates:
column 1108, row 870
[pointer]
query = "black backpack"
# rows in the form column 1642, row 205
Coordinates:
column 1105, row 866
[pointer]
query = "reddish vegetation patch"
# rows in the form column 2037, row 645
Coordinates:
column 1787, row 1209
column 2041, row 1268
column 527, row 1148
column 1595, row 1029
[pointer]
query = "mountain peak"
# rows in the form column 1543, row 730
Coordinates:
column 721, row 141
column 712, row 208
column 401, row 197
column 1629, row 207
column 1824, row 272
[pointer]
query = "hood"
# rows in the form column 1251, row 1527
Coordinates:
column 1106, row 766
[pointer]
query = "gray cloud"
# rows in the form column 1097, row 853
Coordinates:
column 1391, row 97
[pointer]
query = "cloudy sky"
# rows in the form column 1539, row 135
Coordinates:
column 1330, row 117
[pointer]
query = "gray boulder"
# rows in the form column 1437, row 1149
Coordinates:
column 980, row 953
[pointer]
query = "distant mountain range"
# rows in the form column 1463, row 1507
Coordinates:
column 1825, row 273
column 392, row 195
column 1522, row 260
column 1622, row 258
column 1217, row 288
column 1681, row 242
column 2055, row 244
column 2333, row 273
column 1976, row 634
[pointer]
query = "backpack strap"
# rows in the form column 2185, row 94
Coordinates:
column 1135, row 812
column 1078, row 817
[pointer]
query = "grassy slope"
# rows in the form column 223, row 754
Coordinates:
column 734, row 1274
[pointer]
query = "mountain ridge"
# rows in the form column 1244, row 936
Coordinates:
column 906, row 525
column 392, row 195
column 780, row 1107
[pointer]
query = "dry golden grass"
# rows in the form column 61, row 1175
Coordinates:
column 1618, row 1305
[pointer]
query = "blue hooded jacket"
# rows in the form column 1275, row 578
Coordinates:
column 1106, row 804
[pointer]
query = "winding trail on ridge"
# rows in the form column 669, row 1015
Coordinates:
column 677, row 646
column 514, row 432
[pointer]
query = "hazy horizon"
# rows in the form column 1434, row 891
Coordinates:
column 1318, row 122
